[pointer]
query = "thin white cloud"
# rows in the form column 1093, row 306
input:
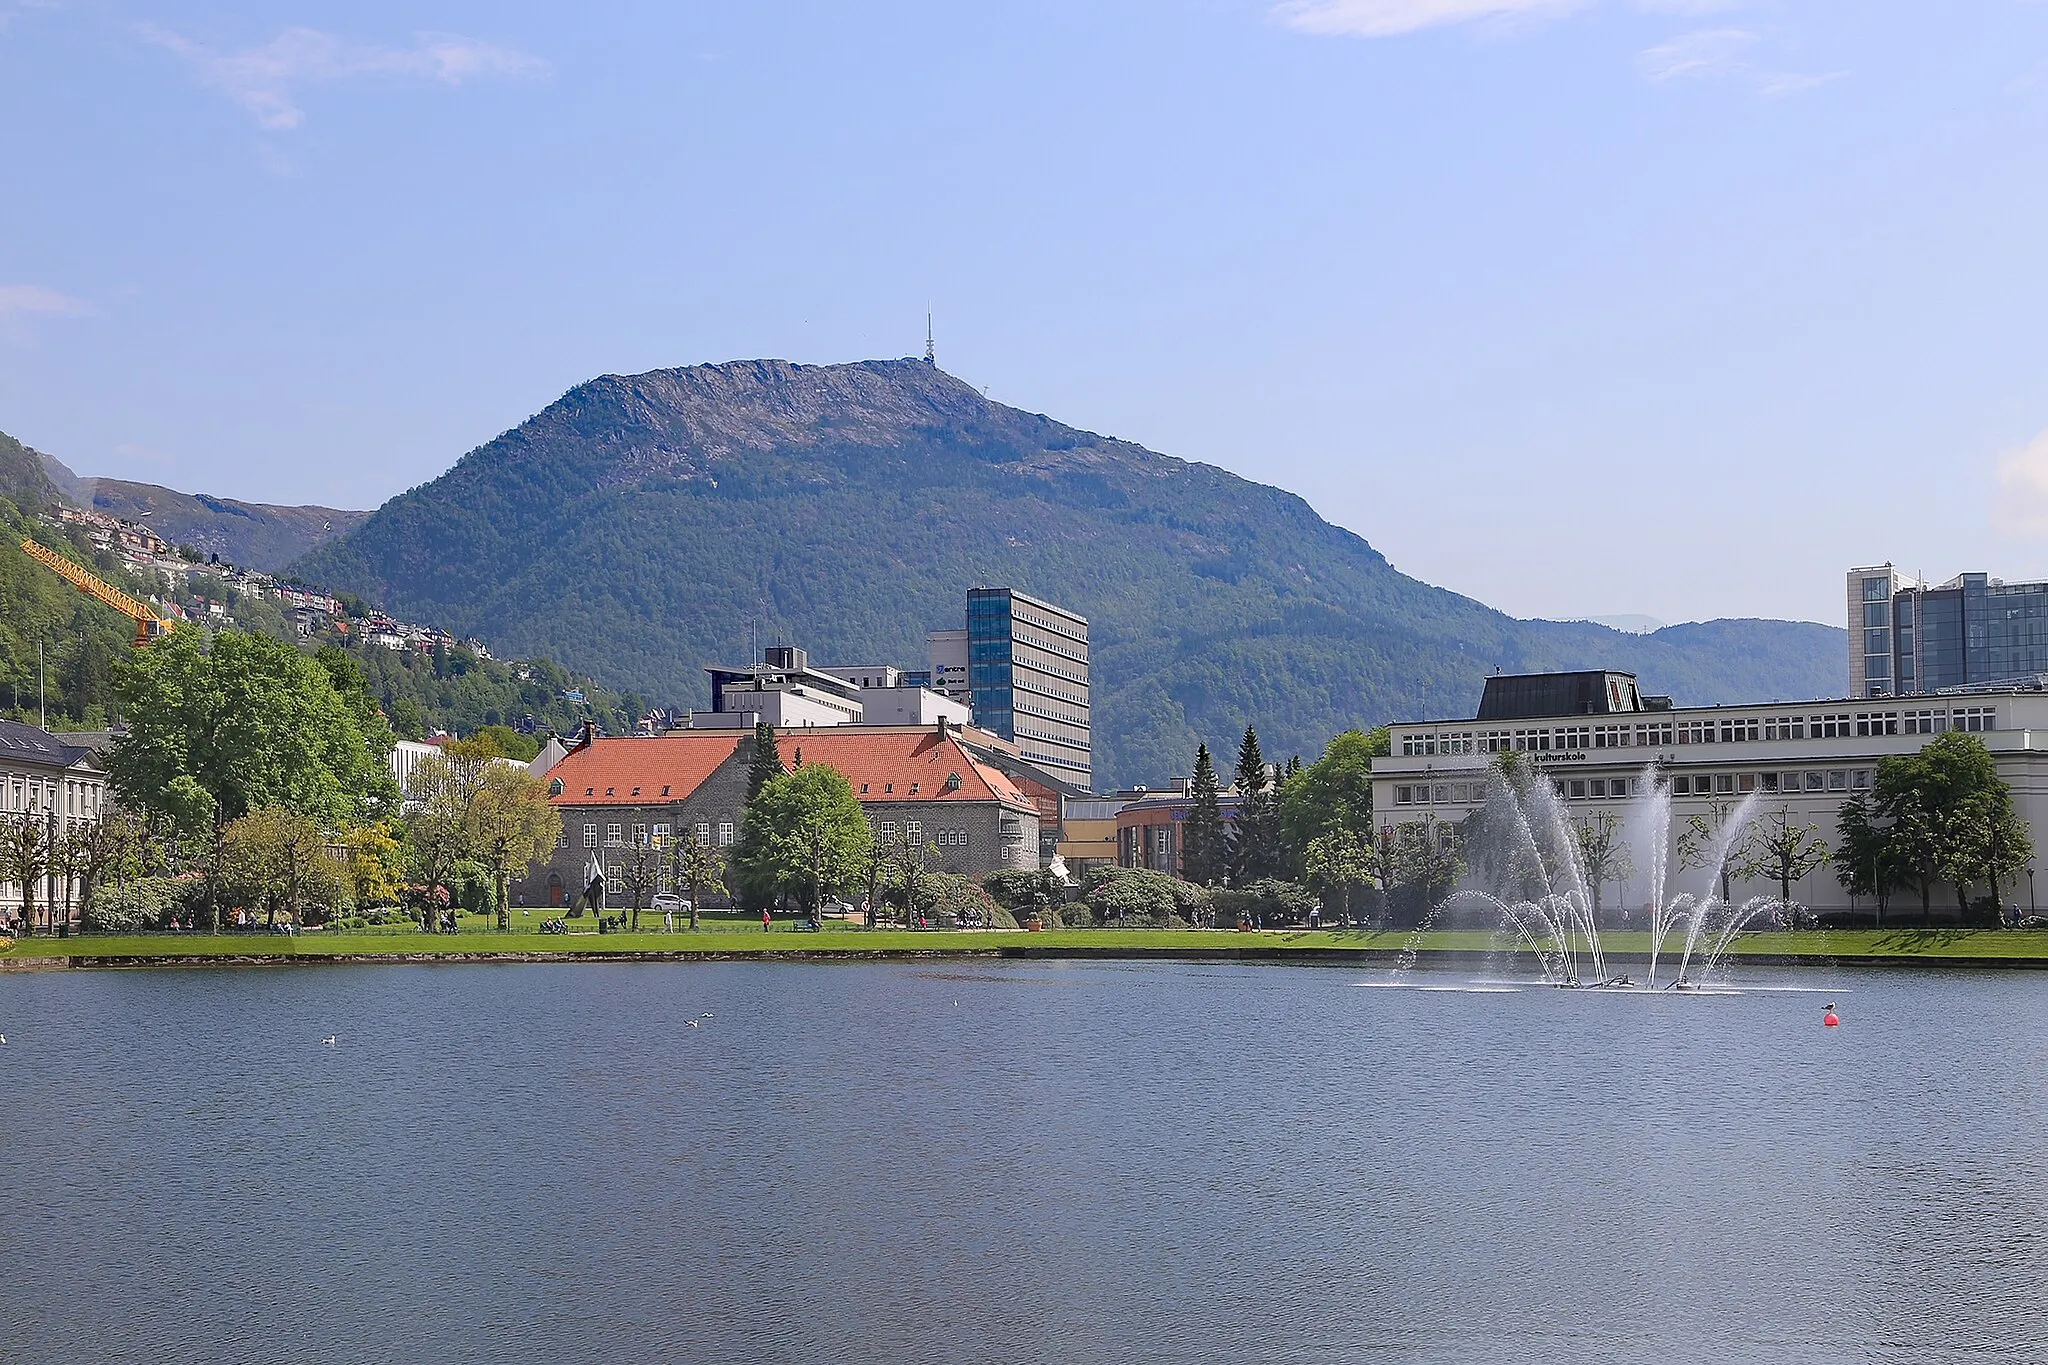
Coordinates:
column 1709, row 52
column 264, row 80
column 1723, row 53
column 1689, row 6
column 1390, row 18
column 2022, row 507
column 22, row 300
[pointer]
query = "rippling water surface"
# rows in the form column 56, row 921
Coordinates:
column 1023, row 1163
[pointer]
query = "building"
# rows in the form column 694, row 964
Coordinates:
column 783, row 690
column 60, row 784
column 1088, row 837
column 921, row 783
column 1026, row 668
column 1907, row 637
column 1149, row 825
column 1806, row 758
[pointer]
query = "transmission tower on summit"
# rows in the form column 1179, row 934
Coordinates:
column 931, row 357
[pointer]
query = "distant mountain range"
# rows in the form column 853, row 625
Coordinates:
column 253, row 534
column 639, row 526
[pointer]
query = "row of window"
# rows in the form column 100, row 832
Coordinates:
column 1683, row 784
column 1720, row 730
column 644, row 837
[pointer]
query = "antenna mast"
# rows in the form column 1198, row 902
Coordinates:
column 930, row 356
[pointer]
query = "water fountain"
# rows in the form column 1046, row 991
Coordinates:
column 1527, row 847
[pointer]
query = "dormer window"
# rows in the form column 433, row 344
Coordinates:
column 888, row 787
column 664, row 789
column 555, row 787
column 863, row 789
column 611, row 791
column 589, row 791
column 636, row 791
column 952, row 782
column 913, row 789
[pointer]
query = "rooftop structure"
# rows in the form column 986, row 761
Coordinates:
column 1908, row 637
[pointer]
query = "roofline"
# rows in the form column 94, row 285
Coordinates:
column 1624, row 717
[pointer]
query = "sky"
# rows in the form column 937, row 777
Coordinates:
column 1670, row 307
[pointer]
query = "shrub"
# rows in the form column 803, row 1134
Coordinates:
column 141, row 905
column 1023, row 893
column 1132, row 897
column 1267, row 902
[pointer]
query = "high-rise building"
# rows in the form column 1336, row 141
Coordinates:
column 1026, row 677
column 1907, row 637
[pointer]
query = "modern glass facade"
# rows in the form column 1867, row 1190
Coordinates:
column 1027, row 673
column 1972, row 631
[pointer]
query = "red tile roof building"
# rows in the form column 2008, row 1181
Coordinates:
column 618, row 796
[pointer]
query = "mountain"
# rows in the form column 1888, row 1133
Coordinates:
column 255, row 535
column 23, row 479
column 636, row 527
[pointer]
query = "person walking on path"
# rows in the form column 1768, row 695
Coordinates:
column 765, row 917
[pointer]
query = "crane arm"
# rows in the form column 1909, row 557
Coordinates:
column 148, row 624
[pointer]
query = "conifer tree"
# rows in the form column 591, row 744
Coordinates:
column 1255, row 833
column 767, row 760
column 1203, row 854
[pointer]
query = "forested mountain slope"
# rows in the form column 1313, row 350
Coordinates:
column 634, row 528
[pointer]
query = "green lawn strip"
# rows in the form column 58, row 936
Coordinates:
column 738, row 939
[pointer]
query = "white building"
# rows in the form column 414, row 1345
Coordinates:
column 1806, row 758
column 57, row 784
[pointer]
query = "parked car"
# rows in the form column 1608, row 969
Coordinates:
column 671, row 904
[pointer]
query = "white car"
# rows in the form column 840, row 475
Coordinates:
column 674, row 904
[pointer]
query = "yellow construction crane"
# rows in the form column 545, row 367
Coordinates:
column 148, row 625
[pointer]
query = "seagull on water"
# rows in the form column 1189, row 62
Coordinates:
column 690, row 1023
column 705, row 1015
column 330, row 1040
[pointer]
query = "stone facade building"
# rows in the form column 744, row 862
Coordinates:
column 58, row 784
column 618, row 796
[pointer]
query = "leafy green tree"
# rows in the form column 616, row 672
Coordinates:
column 1340, row 861
column 1984, row 841
column 640, row 876
column 910, row 863
column 439, row 794
column 510, row 824
column 1125, row 895
column 1865, row 858
column 1204, row 854
column 277, row 858
column 1697, row 841
column 221, row 728
column 1781, row 851
column 1335, row 791
column 1426, row 860
column 374, row 862
column 1946, row 815
column 1255, row 850
column 801, row 837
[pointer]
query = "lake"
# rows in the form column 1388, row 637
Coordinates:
column 939, row 1162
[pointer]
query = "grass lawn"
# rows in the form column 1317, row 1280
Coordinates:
column 736, row 937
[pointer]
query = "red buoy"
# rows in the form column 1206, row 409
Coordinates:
column 1830, row 1020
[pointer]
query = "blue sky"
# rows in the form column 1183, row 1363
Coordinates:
column 1677, row 307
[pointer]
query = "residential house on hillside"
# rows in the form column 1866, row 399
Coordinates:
column 616, row 795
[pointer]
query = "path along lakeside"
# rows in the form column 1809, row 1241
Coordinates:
column 1918, row 948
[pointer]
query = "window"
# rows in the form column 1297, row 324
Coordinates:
column 1838, row 781
column 1575, row 737
column 1597, row 787
column 1404, row 796
column 640, row 836
column 1441, row 792
column 614, row 836
column 590, row 836
column 1724, row 782
column 888, row 829
column 1816, row 781
column 661, row 836
column 1859, row 779
column 1875, row 723
column 1876, row 614
column 1746, row 730
column 704, row 833
column 1652, row 736
column 1745, row 782
column 863, row 789
column 913, row 830
column 1770, row 781
column 1681, row 785
column 1785, row 727
column 1578, row 789
column 1975, row 718
column 1926, row 722
column 562, row 839
column 725, row 833
column 1833, row 727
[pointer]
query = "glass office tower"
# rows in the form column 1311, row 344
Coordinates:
column 1027, row 674
column 1973, row 631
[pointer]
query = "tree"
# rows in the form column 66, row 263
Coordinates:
column 1781, row 851
column 510, row 824
column 1863, row 856
column 96, row 850
column 1984, row 840
column 696, row 866
column 1702, row 834
column 439, row 794
column 1426, row 860
column 26, row 846
column 1255, row 831
column 1341, row 860
column 1603, row 856
column 1204, row 857
column 221, row 728
column 767, row 760
column 278, row 858
column 801, row 836
column 640, row 875
column 1335, row 791
column 911, row 861
column 374, row 861
column 1949, row 818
